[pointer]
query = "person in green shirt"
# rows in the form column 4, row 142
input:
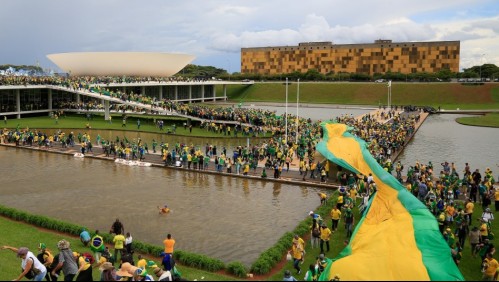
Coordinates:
column 154, row 144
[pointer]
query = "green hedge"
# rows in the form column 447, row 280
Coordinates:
column 238, row 269
column 198, row 261
column 189, row 259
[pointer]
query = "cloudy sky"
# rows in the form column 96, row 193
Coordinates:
column 215, row 30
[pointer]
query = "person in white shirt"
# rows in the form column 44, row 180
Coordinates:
column 488, row 216
column 128, row 243
column 29, row 262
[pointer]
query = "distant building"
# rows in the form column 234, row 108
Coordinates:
column 379, row 57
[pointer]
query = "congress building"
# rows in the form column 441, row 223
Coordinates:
column 379, row 57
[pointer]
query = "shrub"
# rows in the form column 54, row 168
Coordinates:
column 261, row 266
column 198, row 261
column 238, row 269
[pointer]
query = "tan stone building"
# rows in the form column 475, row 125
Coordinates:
column 370, row 58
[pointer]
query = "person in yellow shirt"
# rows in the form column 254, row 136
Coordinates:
column 468, row 211
column 484, row 229
column 119, row 243
column 323, row 198
column 169, row 244
column 85, row 269
column 490, row 266
column 496, row 197
column 189, row 161
column 339, row 201
column 142, row 262
column 164, row 209
column 450, row 211
column 353, row 195
column 325, row 234
column 335, row 217
column 301, row 243
column 297, row 254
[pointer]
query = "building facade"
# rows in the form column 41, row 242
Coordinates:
column 379, row 57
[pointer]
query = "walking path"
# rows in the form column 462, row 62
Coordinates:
column 292, row 176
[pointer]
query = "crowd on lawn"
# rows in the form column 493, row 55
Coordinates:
column 450, row 196
column 123, row 265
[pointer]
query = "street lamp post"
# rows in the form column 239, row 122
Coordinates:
column 286, row 114
column 297, row 104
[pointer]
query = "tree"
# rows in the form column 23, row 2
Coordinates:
column 314, row 75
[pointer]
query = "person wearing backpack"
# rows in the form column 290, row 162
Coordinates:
column 67, row 261
column 46, row 257
column 315, row 233
column 85, row 267
column 31, row 267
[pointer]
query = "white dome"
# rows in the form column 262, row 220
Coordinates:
column 121, row 63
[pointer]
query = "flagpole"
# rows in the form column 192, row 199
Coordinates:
column 389, row 93
column 286, row 117
column 297, row 104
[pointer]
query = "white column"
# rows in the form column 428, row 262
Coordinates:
column 225, row 92
column 190, row 94
column 202, row 93
column 106, row 109
column 176, row 92
column 143, row 90
column 50, row 99
column 18, row 103
column 214, row 93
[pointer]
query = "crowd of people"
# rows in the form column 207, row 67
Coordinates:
column 450, row 196
column 124, row 265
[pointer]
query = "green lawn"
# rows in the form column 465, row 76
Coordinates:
column 22, row 235
column 76, row 121
column 489, row 120
column 448, row 96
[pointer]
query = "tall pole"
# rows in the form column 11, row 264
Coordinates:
column 389, row 93
column 297, row 104
column 286, row 114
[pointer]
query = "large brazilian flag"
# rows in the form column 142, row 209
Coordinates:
column 397, row 238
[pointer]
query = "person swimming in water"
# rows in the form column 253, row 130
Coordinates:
column 163, row 210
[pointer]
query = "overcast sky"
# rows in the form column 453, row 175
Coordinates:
column 215, row 30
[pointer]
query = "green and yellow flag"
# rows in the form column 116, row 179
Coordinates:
column 397, row 237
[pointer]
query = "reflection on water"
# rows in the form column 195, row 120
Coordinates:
column 441, row 139
column 222, row 217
